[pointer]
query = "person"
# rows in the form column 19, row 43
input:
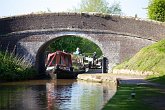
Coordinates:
column 94, row 57
column 77, row 51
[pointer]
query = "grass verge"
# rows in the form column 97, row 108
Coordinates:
column 150, row 58
column 14, row 68
column 144, row 98
column 157, row 79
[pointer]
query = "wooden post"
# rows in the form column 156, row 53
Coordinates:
column 104, row 65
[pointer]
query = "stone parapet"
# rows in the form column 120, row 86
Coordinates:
column 97, row 78
column 118, row 37
column 132, row 72
column 146, row 28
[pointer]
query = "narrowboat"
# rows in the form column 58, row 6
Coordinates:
column 59, row 66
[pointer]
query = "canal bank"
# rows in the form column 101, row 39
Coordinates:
column 148, row 95
column 113, row 78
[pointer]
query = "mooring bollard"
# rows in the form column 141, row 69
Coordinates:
column 104, row 65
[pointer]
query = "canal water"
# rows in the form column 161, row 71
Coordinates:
column 54, row 95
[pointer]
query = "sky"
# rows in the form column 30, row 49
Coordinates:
column 20, row 7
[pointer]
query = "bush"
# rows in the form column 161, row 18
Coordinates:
column 14, row 68
column 156, row 10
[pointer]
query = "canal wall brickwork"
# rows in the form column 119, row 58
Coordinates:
column 118, row 37
column 143, row 28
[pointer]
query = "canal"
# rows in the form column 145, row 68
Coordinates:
column 54, row 95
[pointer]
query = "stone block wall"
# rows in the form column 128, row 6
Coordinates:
column 142, row 28
column 118, row 37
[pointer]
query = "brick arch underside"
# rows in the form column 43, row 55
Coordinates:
column 116, row 47
column 118, row 37
column 40, row 56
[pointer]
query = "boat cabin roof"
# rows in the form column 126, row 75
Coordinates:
column 59, row 58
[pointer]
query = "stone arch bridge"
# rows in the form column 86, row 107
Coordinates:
column 118, row 37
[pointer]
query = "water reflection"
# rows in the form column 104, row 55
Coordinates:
column 54, row 95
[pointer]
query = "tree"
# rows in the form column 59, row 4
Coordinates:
column 101, row 6
column 70, row 43
column 156, row 10
column 115, row 9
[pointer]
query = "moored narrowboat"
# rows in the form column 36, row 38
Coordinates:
column 59, row 65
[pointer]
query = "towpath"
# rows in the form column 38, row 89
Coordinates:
column 156, row 102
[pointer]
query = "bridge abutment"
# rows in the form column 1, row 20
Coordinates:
column 115, row 47
column 119, row 38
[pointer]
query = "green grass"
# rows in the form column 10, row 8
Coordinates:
column 14, row 68
column 157, row 79
column 151, row 58
column 123, row 101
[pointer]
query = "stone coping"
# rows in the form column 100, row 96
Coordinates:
column 112, row 78
column 104, row 15
column 115, row 79
column 146, row 29
column 97, row 78
column 133, row 72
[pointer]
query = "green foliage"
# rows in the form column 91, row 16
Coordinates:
column 70, row 43
column 157, row 79
column 156, row 10
column 101, row 6
column 13, row 68
column 94, row 6
column 151, row 58
column 115, row 9
column 142, row 101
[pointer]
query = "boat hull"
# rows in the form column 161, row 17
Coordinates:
column 65, row 74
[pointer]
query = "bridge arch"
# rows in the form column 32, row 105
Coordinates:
column 116, row 47
column 40, row 56
column 118, row 37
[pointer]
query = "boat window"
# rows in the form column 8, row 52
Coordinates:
column 69, row 62
column 61, row 61
column 54, row 61
column 49, row 61
column 66, row 60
